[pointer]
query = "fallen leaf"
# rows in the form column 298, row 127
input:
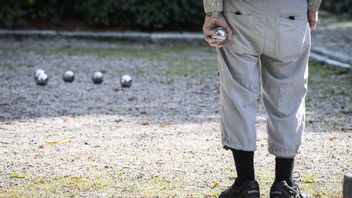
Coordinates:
column 18, row 175
column 162, row 125
column 131, row 98
column 213, row 194
column 318, row 194
column 215, row 184
column 309, row 178
column 53, row 142
column 160, row 162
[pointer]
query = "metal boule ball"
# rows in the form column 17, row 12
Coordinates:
column 220, row 35
column 126, row 81
column 37, row 73
column 42, row 79
column 97, row 77
column 68, row 76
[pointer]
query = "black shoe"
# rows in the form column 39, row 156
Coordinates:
column 248, row 189
column 283, row 190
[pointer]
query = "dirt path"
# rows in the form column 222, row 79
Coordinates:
column 159, row 138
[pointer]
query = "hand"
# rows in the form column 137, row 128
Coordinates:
column 212, row 22
column 312, row 19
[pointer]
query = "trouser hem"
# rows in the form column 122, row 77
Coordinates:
column 227, row 146
column 284, row 153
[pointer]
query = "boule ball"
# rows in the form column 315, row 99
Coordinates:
column 97, row 77
column 42, row 79
column 220, row 35
column 126, row 81
column 68, row 76
column 37, row 73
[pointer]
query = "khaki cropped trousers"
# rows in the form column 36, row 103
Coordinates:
column 267, row 57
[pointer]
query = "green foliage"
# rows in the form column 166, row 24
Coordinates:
column 12, row 13
column 122, row 14
column 338, row 6
column 132, row 14
column 141, row 14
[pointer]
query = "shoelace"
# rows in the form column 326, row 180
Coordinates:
column 296, row 176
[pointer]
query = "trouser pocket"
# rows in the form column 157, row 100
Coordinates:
column 243, row 28
column 290, row 36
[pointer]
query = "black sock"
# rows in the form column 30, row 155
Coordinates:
column 244, row 166
column 284, row 169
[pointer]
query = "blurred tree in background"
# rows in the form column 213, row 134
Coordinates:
column 131, row 14
column 338, row 6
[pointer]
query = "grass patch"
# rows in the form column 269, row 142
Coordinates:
column 110, row 52
column 66, row 186
column 329, row 81
column 164, row 60
column 171, row 61
column 159, row 186
column 329, row 90
column 342, row 19
column 7, row 66
column 78, row 186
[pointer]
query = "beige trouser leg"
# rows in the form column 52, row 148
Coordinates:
column 270, row 47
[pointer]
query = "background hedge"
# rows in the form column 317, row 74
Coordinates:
column 130, row 14
column 338, row 6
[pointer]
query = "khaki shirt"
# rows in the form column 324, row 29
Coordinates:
column 218, row 6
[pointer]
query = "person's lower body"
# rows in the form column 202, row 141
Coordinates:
column 267, row 56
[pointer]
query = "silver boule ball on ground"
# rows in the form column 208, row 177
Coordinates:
column 37, row 73
column 126, row 81
column 42, row 79
column 220, row 35
column 97, row 77
column 68, row 76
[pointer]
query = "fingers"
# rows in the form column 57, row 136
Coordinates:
column 216, row 45
column 312, row 19
column 209, row 24
column 208, row 32
column 207, row 36
column 212, row 42
column 312, row 26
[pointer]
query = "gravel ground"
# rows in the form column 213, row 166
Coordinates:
column 158, row 138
